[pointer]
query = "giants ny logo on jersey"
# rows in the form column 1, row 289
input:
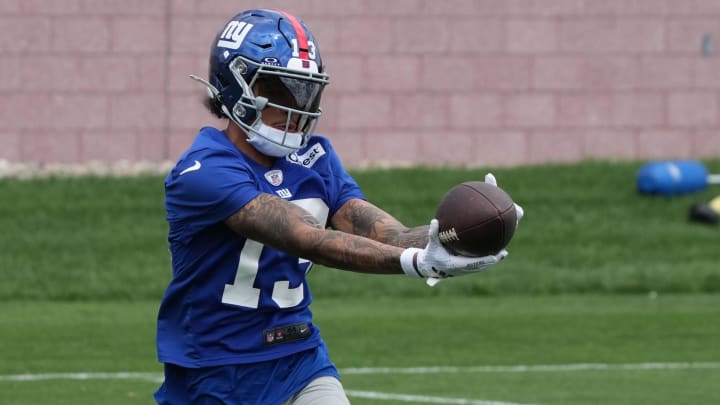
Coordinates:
column 234, row 34
column 284, row 193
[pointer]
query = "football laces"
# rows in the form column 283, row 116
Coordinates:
column 448, row 236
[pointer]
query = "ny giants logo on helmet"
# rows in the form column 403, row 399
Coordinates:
column 234, row 34
column 303, row 49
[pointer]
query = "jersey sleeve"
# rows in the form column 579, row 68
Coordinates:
column 344, row 185
column 211, row 193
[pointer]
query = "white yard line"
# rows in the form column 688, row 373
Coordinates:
column 531, row 368
column 154, row 377
column 424, row 399
column 538, row 368
column 158, row 378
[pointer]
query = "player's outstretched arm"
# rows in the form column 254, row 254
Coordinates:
column 363, row 218
column 285, row 226
column 275, row 222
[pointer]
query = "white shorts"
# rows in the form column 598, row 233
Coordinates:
column 320, row 391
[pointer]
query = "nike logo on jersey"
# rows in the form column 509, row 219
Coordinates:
column 192, row 168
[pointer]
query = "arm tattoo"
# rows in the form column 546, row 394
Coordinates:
column 267, row 214
column 364, row 220
column 367, row 220
column 287, row 227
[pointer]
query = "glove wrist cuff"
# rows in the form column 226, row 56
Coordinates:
column 409, row 262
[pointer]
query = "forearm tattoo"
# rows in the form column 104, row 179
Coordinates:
column 285, row 226
column 366, row 220
column 370, row 221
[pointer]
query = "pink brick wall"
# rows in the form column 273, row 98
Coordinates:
column 476, row 82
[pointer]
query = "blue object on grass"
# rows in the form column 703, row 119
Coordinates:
column 672, row 177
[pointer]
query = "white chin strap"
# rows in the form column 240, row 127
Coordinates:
column 274, row 142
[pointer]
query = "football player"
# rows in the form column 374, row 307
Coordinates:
column 250, row 208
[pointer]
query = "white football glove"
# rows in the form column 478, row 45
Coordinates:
column 519, row 211
column 436, row 263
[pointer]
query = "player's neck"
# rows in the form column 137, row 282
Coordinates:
column 238, row 137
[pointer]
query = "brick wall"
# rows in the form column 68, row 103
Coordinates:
column 478, row 82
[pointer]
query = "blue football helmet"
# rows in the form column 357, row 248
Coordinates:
column 275, row 52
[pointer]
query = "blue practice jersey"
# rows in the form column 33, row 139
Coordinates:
column 230, row 297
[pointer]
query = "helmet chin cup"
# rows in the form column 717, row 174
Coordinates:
column 274, row 142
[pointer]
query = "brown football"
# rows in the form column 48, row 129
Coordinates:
column 476, row 219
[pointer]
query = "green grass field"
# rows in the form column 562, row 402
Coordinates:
column 584, row 349
column 607, row 297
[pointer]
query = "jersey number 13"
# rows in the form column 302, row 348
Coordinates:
column 242, row 291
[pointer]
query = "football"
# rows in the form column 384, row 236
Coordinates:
column 476, row 219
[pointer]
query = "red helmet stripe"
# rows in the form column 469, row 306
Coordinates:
column 300, row 32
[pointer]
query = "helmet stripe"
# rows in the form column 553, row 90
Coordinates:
column 300, row 32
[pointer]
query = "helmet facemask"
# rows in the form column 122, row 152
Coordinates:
column 297, row 93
